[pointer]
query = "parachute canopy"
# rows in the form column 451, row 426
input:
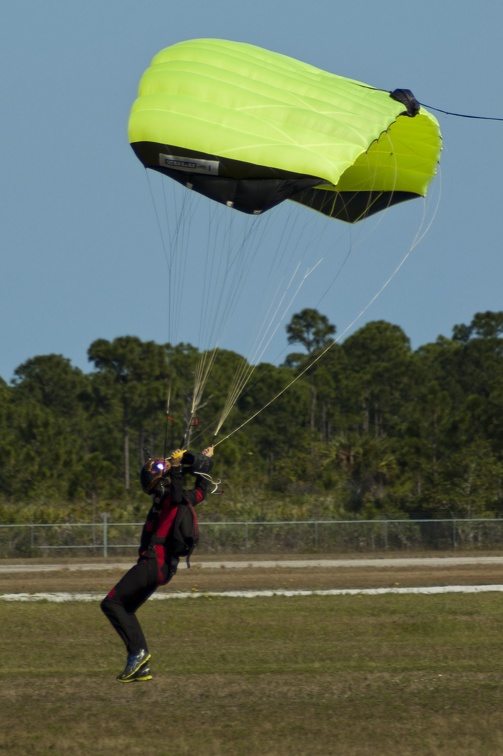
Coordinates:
column 250, row 128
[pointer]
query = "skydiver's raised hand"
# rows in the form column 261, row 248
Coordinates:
column 176, row 458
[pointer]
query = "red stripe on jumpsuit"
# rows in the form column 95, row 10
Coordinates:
column 165, row 522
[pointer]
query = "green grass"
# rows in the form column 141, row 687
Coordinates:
column 353, row 675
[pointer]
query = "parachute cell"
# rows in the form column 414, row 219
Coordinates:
column 250, row 128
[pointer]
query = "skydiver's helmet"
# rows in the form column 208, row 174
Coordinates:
column 196, row 463
column 152, row 474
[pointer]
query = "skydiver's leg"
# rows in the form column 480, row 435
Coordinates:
column 121, row 604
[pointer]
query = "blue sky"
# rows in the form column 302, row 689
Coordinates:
column 81, row 253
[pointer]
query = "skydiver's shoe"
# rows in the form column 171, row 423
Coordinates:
column 140, row 675
column 133, row 664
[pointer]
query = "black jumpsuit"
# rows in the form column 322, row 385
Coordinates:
column 170, row 531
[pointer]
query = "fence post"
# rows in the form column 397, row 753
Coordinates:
column 105, row 535
column 316, row 534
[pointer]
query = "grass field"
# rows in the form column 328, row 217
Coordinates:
column 349, row 675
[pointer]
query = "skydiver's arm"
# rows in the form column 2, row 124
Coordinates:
column 175, row 474
column 197, row 494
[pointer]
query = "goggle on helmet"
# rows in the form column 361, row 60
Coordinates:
column 152, row 473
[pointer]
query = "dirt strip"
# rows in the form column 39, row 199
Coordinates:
column 259, row 574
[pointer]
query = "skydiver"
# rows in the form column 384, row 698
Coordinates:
column 170, row 532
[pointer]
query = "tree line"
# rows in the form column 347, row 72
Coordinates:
column 367, row 428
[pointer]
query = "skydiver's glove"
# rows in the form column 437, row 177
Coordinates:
column 177, row 457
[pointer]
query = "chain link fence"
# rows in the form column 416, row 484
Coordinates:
column 106, row 539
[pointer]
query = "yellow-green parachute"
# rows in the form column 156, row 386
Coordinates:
column 250, row 128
